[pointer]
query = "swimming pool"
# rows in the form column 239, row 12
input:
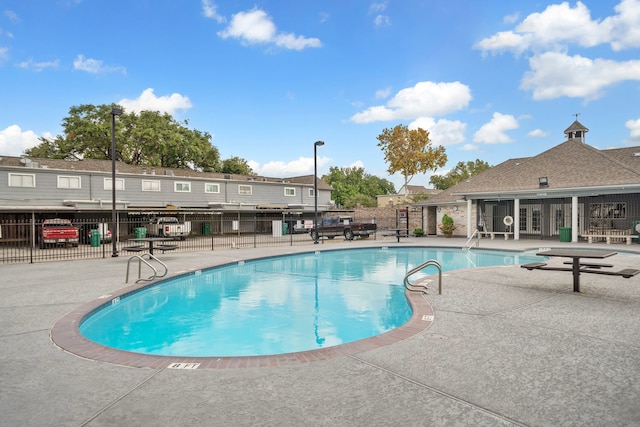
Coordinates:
column 275, row 305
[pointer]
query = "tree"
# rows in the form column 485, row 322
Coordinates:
column 353, row 186
column 146, row 139
column 410, row 152
column 236, row 165
column 461, row 172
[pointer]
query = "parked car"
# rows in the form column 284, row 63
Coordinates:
column 343, row 226
column 58, row 231
column 168, row 226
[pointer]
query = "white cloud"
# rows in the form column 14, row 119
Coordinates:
column 383, row 93
column 441, row 132
column 4, row 54
column 13, row 141
column 94, row 66
column 256, row 27
column 560, row 24
column 470, row 147
column 280, row 169
column 538, row 133
column 13, row 17
column 210, row 10
column 634, row 130
column 425, row 99
column 381, row 21
column 150, row 102
column 549, row 78
column 495, row 132
column 38, row 66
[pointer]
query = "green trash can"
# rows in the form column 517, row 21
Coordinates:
column 565, row 234
column 206, row 228
column 140, row 232
column 95, row 238
column 636, row 230
column 285, row 227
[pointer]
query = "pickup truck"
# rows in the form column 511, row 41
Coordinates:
column 58, row 231
column 168, row 226
column 343, row 226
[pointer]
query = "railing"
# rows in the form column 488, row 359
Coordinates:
column 141, row 260
column 412, row 287
column 469, row 243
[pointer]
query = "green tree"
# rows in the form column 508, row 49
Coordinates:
column 461, row 172
column 410, row 152
column 146, row 139
column 352, row 186
column 236, row 165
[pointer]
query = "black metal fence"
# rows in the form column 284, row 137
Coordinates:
column 21, row 242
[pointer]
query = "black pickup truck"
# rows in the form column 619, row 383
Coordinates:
column 343, row 226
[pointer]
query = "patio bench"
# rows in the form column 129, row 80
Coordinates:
column 492, row 234
column 136, row 248
column 608, row 237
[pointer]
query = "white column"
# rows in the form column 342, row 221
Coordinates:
column 516, row 219
column 470, row 228
column 574, row 219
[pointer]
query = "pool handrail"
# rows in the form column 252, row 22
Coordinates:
column 469, row 243
column 141, row 260
column 408, row 285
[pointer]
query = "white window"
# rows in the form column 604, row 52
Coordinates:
column 311, row 194
column 289, row 191
column 119, row 184
column 211, row 188
column 22, row 180
column 69, row 181
column 244, row 190
column 148, row 185
column 182, row 187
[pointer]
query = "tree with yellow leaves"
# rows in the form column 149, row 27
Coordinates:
column 410, row 152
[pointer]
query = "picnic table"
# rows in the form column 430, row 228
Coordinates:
column 577, row 267
column 150, row 244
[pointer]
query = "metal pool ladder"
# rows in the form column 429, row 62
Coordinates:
column 411, row 287
column 141, row 260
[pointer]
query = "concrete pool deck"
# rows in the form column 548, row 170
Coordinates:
column 507, row 346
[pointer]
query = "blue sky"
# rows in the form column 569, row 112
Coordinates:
column 490, row 79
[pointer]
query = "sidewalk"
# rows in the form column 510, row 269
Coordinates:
column 507, row 347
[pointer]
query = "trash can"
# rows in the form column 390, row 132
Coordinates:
column 95, row 238
column 206, row 228
column 636, row 230
column 140, row 232
column 565, row 234
column 285, row 227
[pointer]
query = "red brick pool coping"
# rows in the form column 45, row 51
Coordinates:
column 66, row 335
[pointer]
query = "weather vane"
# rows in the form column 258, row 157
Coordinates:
column 576, row 114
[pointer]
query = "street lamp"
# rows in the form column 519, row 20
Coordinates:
column 315, row 189
column 114, row 234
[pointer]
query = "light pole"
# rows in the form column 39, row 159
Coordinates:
column 114, row 234
column 315, row 189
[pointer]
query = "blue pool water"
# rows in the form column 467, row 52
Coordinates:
column 275, row 305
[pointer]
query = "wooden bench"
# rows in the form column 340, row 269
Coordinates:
column 492, row 234
column 609, row 237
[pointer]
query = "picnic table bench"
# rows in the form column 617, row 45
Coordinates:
column 608, row 237
column 578, row 267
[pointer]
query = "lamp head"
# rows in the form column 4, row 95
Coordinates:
column 116, row 112
column 318, row 143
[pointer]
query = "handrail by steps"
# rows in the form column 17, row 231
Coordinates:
column 408, row 285
column 141, row 260
column 468, row 245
